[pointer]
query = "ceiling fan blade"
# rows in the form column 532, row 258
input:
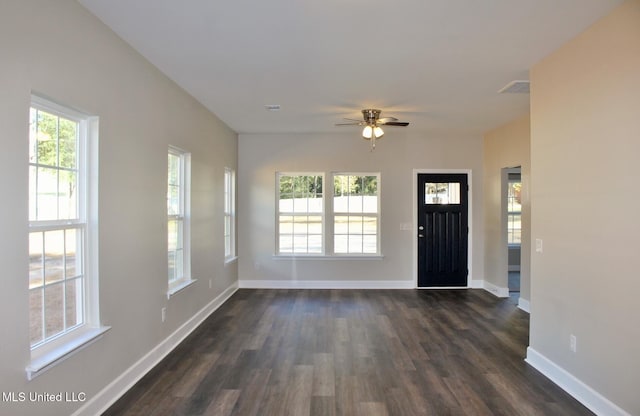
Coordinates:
column 397, row 123
column 385, row 120
column 353, row 119
column 349, row 124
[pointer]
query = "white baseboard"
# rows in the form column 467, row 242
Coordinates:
column 114, row 390
column 476, row 284
column 501, row 292
column 326, row 284
column 590, row 398
column 524, row 305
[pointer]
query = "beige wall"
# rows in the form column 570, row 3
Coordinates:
column 506, row 147
column 585, row 145
column 58, row 49
column 397, row 154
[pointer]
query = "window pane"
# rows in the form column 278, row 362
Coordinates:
column 341, row 244
column 174, row 235
column 73, row 259
column 355, row 194
column 370, row 225
column 286, row 244
column 300, row 195
column 355, row 244
column 315, row 244
column 227, row 245
column 300, row 225
column 300, row 244
column 300, row 205
column 54, row 310
column 179, row 268
column 286, row 224
column 47, row 138
column 33, row 192
column 355, row 203
column 171, row 261
column 369, row 244
column 33, row 135
column 370, row 185
column 227, row 225
column 173, row 200
column 355, row 225
column 54, row 256
column 47, row 194
column 67, row 191
column 36, row 333
column 36, row 260
column 315, row 204
column 341, row 224
column 173, row 169
column 67, row 143
column 315, row 224
column 73, row 302
column 442, row 193
column 370, row 204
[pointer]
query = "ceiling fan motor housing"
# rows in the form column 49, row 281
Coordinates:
column 371, row 116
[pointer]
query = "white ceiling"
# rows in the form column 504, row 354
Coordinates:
column 435, row 63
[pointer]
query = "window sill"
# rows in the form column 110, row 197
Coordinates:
column 44, row 361
column 178, row 287
column 328, row 257
column 230, row 260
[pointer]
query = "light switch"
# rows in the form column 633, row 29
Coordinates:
column 538, row 245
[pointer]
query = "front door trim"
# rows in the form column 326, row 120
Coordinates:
column 414, row 188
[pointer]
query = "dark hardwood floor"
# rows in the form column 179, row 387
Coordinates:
column 352, row 352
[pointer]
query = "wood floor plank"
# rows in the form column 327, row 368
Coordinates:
column 352, row 352
column 324, row 379
column 223, row 403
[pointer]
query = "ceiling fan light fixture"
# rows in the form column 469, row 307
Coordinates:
column 372, row 131
column 367, row 132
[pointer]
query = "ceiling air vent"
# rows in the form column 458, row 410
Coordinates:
column 515, row 87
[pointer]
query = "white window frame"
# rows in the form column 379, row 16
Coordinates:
column 328, row 219
column 376, row 215
column 52, row 350
column 293, row 213
column 183, row 217
column 229, row 214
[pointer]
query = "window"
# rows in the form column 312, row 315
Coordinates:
column 300, row 213
column 356, row 214
column 442, row 193
column 514, row 210
column 178, row 219
column 229, row 214
column 63, row 277
column 353, row 207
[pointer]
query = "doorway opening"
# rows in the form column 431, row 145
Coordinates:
column 513, row 204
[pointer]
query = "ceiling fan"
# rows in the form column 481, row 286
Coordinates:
column 372, row 122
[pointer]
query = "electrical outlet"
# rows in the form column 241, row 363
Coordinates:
column 164, row 314
column 573, row 342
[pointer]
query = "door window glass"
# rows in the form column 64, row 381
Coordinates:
column 441, row 193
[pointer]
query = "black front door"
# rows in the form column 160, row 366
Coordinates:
column 442, row 229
